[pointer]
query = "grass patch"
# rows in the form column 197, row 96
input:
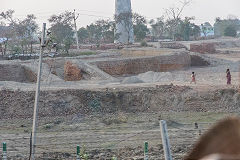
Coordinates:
column 75, row 54
column 116, row 119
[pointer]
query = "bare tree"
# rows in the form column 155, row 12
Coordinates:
column 158, row 27
column 174, row 15
column 8, row 16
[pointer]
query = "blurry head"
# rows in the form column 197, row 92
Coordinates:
column 192, row 72
column 228, row 70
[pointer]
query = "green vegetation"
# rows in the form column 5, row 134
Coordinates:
column 144, row 44
column 83, row 153
column 116, row 119
column 71, row 54
column 226, row 27
column 230, row 31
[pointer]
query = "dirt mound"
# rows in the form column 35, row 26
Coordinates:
column 17, row 73
column 130, row 80
column 152, row 77
column 19, row 104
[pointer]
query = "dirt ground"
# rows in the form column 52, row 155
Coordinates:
column 104, row 136
column 112, row 116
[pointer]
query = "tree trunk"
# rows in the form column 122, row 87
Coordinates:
column 31, row 47
column 5, row 47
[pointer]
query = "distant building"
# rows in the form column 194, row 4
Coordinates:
column 206, row 30
column 221, row 25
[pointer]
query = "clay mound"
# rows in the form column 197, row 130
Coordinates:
column 72, row 72
column 17, row 73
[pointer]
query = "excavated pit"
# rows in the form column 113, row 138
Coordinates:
column 133, row 66
column 198, row 61
column 17, row 73
column 68, row 70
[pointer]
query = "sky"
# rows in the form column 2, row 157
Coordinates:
column 92, row 10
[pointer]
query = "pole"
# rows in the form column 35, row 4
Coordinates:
column 78, row 152
column 165, row 140
column 34, row 127
column 146, row 151
column 4, row 155
column 75, row 26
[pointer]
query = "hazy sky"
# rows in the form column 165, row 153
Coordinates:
column 91, row 10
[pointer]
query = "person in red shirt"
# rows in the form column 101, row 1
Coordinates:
column 193, row 78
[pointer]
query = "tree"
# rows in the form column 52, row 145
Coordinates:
column 101, row 31
column 29, row 29
column 83, row 35
column 21, row 32
column 206, row 28
column 140, row 31
column 105, row 30
column 158, row 27
column 126, row 20
column 133, row 21
column 230, row 31
column 174, row 16
column 196, row 31
column 221, row 25
column 62, row 30
column 139, row 27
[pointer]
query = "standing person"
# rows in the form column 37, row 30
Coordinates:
column 193, row 78
column 229, row 77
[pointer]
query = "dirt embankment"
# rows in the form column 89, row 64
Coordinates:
column 16, row 73
column 19, row 104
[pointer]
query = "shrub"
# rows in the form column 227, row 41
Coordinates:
column 144, row 44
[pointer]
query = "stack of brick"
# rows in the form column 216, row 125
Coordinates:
column 172, row 45
column 72, row 72
column 203, row 48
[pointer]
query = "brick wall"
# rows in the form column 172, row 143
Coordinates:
column 141, row 65
column 203, row 48
column 172, row 45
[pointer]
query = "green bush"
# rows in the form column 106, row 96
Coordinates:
column 144, row 44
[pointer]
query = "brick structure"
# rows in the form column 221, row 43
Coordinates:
column 203, row 48
column 172, row 45
column 72, row 72
column 141, row 65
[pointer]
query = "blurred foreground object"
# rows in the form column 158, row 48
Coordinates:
column 222, row 142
